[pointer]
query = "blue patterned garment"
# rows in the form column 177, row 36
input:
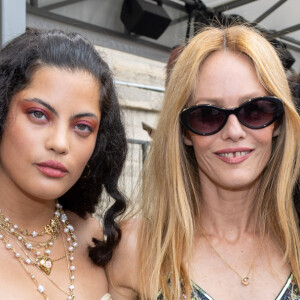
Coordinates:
column 290, row 291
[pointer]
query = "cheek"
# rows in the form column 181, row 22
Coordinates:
column 79, row 162
column 18, row 138
column 265, row 145
column 264, row 137
column 83, row 158
column 83, row 153
column 203, row 148
column 202, row 143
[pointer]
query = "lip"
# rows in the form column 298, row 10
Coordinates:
column 52, row 168
column 234, row 155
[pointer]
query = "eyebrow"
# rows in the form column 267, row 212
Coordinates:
column 85, row 115
column 37, row 100
column 251, row 96
column 218, row 101
column 52, row 109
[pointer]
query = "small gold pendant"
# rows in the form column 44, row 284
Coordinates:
column 45, row 264
column 245, row 280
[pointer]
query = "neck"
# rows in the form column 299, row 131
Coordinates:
column 227, row 213
column 27, row 212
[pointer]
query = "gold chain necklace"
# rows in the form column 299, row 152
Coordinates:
column 68, row 266
column 47, row 262
column 42, row 259
column 52, row 228
column 244, row 279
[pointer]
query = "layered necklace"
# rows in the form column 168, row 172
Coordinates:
column 36, row 253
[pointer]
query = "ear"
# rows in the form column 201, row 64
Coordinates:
column 187, row 138
column 276, row 130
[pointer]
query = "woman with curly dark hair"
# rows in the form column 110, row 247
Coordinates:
column 61, row 143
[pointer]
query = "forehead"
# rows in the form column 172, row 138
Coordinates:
column 58, row 83
column 69, row 92
column 226, row 74
column 48, row 74
column 232, row 61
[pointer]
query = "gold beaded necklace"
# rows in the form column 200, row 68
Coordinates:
column 44, row 262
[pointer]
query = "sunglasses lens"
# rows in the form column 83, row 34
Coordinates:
column 258, row 113
column 206, row 120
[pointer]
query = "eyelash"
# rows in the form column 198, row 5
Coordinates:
column 87, row 129
column 44, row 118
column 32, row 113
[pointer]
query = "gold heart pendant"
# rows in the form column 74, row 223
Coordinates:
column 45, row 264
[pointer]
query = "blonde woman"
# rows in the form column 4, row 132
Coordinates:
column 218, row 218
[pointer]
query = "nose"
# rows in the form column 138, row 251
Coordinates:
column 58, row 140
column 233, row 129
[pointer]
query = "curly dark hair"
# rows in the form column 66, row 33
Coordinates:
column 19, row 59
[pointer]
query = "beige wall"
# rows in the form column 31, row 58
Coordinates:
column 138, row 104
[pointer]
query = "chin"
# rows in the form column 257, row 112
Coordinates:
column 52, row 188
column 237, row 184
column 47, row 192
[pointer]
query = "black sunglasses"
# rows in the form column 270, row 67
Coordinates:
column 256, row 113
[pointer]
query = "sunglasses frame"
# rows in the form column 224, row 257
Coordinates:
column 228, row 111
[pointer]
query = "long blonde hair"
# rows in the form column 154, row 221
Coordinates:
column 170, row 189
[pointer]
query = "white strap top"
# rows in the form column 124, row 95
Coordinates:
column 107, row 296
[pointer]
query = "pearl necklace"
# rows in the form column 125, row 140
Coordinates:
column 44, row 262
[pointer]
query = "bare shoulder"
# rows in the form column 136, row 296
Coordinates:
column 122, row 270
column 126, row 252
